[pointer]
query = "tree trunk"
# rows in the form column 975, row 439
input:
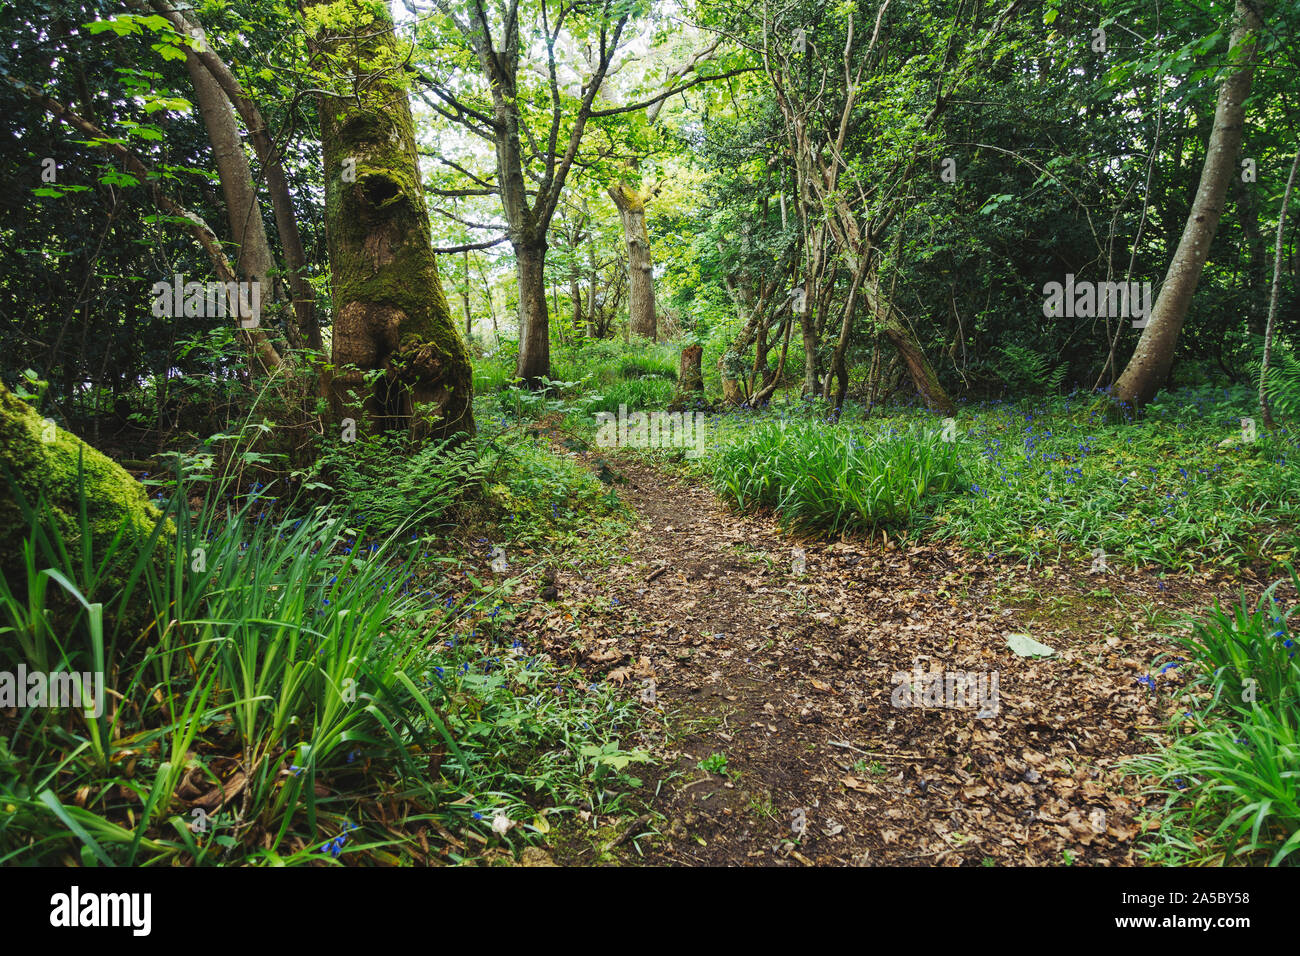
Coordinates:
column 922, row 372
column 575, row 303
column 254, row 262
column 469, row 319
column 1265, row 408
column 534, row 319
column 690, row 381
column 808, row 328
column 640, row 268
column 1256, row 272
column 390, row 313
column 1154, row 355
column 304, row 297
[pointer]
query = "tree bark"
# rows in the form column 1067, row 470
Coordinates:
column 1265, row 408
column 390, row 313
column 254, row 261
column 304, row 298
column 1154, row 355
column 534, row 318
column 640, row 268
column 690, row 381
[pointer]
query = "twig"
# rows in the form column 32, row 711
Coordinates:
column 626, row 835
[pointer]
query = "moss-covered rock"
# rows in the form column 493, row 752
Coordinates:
column 42, row 461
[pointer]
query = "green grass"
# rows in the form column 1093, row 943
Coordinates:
column 312, row 669
column 643, row 366
column 1034, row 483
column 608, row 361
column 1230, row 772
column 637, row 394
column 833, row 477
column 491, row 377
column 1052, row 478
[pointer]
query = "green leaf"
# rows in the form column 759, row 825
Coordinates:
column 168, row 51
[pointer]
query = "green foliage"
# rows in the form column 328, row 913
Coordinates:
column 386, row 485
column 298, row 664
column 1177, row 489
column 637, row 394
column 1025, row 370
column 835, row 477
column 1229, row 776
column 491, row 377
column 1283, row 385
column 541, row 494
column 715, row 763
column 640, row 366
column 603, row 362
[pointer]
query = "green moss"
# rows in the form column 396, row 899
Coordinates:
column 383, row 269
column 41, row 468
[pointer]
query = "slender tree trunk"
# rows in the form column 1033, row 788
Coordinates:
column 1256, row 271
column 1265, row 409
column 253, row 262
column 1154, row 354
column 839, row 368
column 594, row 329
column 534, row 318
column 811, row 368
column 919, row 368
column 304, row 298
column 390, row 313
column 640, row 268
column 469, row 319
column 575, row 303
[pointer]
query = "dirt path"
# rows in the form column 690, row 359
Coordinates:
column 790, row 678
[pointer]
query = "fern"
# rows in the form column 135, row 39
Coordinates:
column 1283, row 385
column 1023, row 369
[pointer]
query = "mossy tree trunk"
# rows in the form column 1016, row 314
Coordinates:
column 42, row 462
column 630, row 202
column 399, row 361
column 690, row 381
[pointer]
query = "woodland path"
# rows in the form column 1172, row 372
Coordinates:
column 790, row 678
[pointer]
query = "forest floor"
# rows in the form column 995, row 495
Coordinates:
column 781, row 683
